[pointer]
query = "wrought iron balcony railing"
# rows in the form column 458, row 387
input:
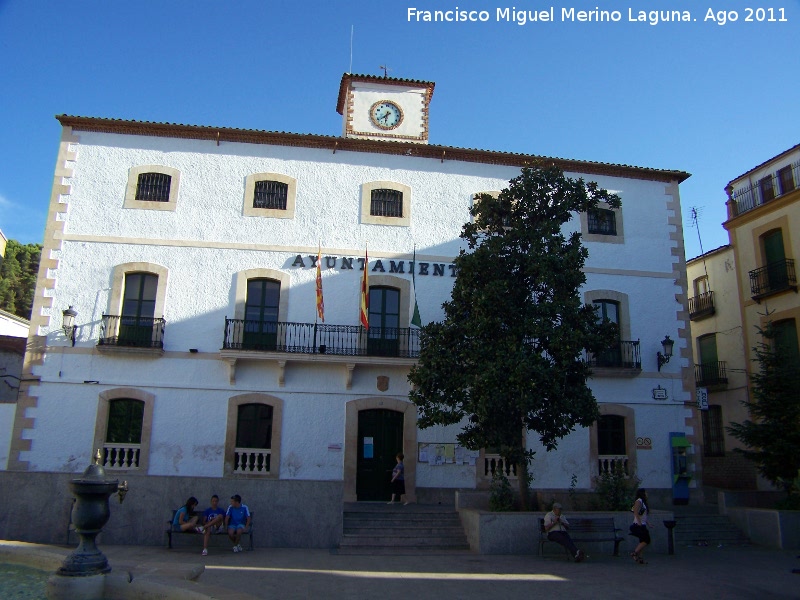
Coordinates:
column 134, row 332
column 319, row 338
column 701, row 306
column 710, row 374
column 624, row 355
column 766, row 189
column 776, row 277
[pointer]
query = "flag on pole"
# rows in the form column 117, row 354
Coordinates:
column 415, row 318
column 320, row 301
column 364, row 308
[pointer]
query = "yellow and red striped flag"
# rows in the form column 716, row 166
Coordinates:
column 320, row 301
column 364, row 309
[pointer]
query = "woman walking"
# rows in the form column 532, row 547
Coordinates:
column 640, row 525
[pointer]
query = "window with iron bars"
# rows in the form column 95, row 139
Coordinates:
column 713, row 436
column 602, row 221
column 386, row 203
column 270, row 194
column 153, row 187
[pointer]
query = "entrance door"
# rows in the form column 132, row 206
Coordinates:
column 380, row 438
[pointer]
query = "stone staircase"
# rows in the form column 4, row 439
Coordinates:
column 378, row 528
column 704, row 526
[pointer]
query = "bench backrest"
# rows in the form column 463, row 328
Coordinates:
column 587, row 525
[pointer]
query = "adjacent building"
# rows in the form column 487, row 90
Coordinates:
column 736, row 289
column 176, row 325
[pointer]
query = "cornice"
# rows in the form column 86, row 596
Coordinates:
column 335, row 144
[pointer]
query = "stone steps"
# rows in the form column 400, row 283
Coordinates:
column 378, row 528
column 707, row 529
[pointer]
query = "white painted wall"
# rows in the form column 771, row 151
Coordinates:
column 207, row 240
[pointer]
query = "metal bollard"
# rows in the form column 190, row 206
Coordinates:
column 670, row 525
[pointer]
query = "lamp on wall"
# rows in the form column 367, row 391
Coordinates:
column 666, row 344
column 68, row 323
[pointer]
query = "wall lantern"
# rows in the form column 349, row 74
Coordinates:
column 666, row 344
column 68, row 323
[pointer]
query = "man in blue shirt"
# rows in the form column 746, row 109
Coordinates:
column 237, row 520
column 213, row 521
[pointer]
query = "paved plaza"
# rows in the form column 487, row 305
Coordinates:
column 288, row 574
column 694, row 572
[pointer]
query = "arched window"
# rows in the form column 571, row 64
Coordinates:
column 253, row 438
column 611, row 447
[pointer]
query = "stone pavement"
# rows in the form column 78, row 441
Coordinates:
column 279, row 573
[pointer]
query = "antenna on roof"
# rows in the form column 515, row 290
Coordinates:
column 696, row 224
column 350, row 70
column 385, row 71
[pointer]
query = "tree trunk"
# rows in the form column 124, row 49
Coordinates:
column 522, row 476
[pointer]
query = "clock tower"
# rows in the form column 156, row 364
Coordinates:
column 384, row 108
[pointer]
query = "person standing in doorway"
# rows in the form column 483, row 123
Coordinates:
column 398, row 480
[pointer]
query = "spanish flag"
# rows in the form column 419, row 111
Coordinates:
column 364, row 309
column 320, row 301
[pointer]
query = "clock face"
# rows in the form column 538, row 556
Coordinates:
column 386, row 114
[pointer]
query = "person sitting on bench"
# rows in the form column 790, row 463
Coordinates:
column 237, row 520
column 556, row 525
column 213, row 521
column 184, row 519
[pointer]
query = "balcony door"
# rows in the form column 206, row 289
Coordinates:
column 775, row 258
column 138, row 310
column 261, row 314
column 608, row 310
column 384, row 321
column 707, row 348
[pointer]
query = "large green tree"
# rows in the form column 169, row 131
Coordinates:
column 772, row 436
column 18, row 271
column 508, row 356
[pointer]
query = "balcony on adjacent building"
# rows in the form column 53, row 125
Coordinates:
column 765, row 190
column 711, row 374
column 701, row 306
column 319, row 338
column 131, row 333
column 776, row 277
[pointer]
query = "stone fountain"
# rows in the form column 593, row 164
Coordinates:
column 83, row 573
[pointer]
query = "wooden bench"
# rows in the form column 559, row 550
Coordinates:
column 248, row 533
column 587, row 529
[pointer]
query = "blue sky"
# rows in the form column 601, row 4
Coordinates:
column 714, row 100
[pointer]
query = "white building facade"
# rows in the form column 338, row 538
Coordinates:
column 199, row 364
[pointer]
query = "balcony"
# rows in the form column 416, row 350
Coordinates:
column 776, row 277
column 623, row 359
column 701, row 306
column 710, row 374
column 311, row 338
column 251, row 461
column 118, row 457
column 766, row 189
column 131, row 334
column 348, row 345
column 611, row 463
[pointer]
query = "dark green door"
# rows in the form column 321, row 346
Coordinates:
column 709, row 371
column 261, row 314
column 380, row 438
column 776, row 260
column 138, row 310
column 384, row 320
column 608, row 310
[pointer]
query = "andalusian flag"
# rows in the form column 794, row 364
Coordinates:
column 415, row 319
column 364, row 308
column 320, row 301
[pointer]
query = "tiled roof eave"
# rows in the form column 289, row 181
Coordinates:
column 335, row 144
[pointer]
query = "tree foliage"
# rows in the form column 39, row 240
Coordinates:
column 772, row 436
column 507, row 356
column 18, row 272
